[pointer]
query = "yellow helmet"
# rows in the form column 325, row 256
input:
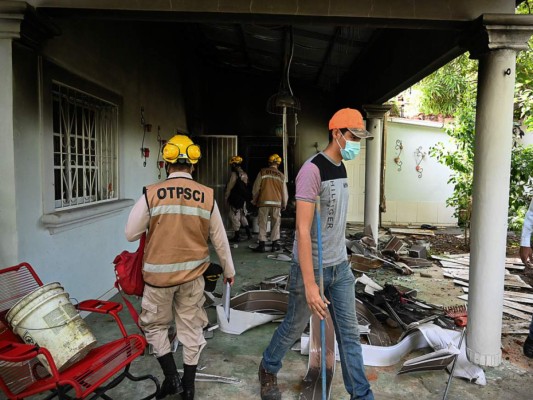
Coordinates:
column 181, row 147
column 235, row 160
column 274, row 158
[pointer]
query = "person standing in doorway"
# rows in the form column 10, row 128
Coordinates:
column 526, row 254
column 180, row 216
column 237, row 194
column 270, row 195
column 324, row 176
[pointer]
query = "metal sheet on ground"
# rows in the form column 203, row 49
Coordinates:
column 312, row 382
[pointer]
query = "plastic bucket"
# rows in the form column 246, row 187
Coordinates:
column 255, row 224
column 47, row 318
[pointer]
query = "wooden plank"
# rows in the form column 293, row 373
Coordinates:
column 516, row 313
column 465, row 261
column 465, row 272
column 461, row 255
column 514, row 331
column 463, row 282
column 506, row 309
column 518, row 299
column 413, row 231
column 515, row 267
column 517, row 306
column 515, row 327
column 448, row 259
column 509, row 297
column 514, row 295
column 516, row 281
column 448, row 264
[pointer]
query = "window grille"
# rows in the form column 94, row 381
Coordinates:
column 85, row 148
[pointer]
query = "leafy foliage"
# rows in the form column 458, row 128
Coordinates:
column 449, row 86
column 460, row 159
column 452, row 91
column 524, row 79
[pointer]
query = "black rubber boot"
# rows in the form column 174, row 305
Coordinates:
column 275, row 246
column 248, row 232
column 269, row 384
column 260, row 248
column 189, row 375
column 236, row 237
column 528, row 347
column 172, row 383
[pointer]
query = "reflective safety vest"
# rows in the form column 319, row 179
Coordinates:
column 177, row 243
column 271, row 192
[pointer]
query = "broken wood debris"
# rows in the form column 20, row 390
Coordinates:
column 411, row 231
column 510, row 280
column 366, row 256
column 515, row 327
column 457, row 267
column 513, row 296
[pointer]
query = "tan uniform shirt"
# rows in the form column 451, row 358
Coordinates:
column 139, row 220
column 270, row 189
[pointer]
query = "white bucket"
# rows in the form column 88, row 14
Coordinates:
column 255, row 224
column 47, row 318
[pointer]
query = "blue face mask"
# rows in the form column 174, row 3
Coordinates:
column 351, row 149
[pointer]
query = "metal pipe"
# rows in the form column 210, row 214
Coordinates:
column 453, row 365
column 321, row 282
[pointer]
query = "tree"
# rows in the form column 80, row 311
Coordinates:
column 451, row 91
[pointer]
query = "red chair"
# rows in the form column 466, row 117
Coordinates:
column 23, row 375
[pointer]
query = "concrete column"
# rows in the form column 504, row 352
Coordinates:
column 492, row 165
column 10, row 20
column 374, row 124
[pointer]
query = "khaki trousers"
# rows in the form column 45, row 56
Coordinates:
column 237, row 217
column 275, row 223
column 182, row 304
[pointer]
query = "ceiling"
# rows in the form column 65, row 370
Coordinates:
column 355, row 59
column 366, row 62
column 318, row 55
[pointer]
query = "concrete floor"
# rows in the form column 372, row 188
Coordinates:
column 238, row 356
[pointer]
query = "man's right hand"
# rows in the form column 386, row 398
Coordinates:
column 526, row 255
column 314, row 301
column 230, row 280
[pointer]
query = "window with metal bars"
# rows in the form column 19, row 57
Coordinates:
column 85, row 148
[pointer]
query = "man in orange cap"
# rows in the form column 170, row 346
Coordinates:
column 323, row 175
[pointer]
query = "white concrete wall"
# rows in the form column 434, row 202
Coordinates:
column 527, row 140
column 121, row 60
column 412, row 200
column 356, row 181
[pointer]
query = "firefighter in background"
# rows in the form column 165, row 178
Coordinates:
column 270, row 195
column 236, row 195
column 180, row 216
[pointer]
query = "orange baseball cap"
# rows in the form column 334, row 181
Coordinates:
column 351, row 119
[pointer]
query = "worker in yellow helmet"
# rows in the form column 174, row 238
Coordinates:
column 179, row 216
column 236, row 195
column 270, row 195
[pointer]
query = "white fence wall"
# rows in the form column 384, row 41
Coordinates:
column 410, row 199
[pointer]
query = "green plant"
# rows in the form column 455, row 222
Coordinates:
column 452, row 91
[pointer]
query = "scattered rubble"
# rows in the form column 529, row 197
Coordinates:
column 392, row 319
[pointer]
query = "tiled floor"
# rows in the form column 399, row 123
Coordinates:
column 238, row 357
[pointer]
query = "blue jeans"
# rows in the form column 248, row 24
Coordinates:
column 531, row 329
column 339, row 289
